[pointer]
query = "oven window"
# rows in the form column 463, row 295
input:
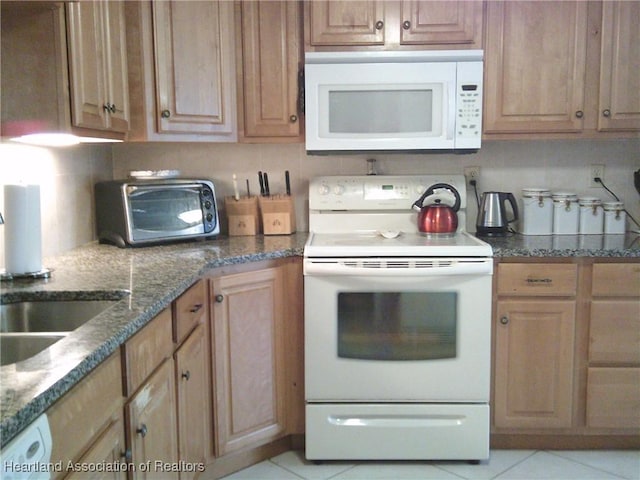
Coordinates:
column 166, row 210
column 397, row 325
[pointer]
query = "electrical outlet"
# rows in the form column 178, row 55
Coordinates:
column 596, row 171
column 471, row 173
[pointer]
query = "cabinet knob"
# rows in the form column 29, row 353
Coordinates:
column 579, row 114
column 406, row 24
column 379, row 25
column 109, row 107
column 504, row 320
column 186, row 375
column 127, row 455
column 293, row 118
column 219, row 298
column 606, row 113
column 165, row 114
column 195, row 308
column 142, row 431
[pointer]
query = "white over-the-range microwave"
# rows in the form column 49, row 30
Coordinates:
column 393, row 101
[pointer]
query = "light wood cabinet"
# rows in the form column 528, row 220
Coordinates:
column 544, row 60
column 613, row 374
column 194, row 400
column 248, row 344
column 52, row 63
column 271, row 67
column 98, row 65
column 86, row 423
column 619, row 99
column 182, row 70
column 534, row 363
column 151, row 423
column 393, row 24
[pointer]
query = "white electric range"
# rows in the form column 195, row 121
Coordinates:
column 397, row 330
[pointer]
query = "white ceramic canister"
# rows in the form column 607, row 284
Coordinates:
column 565, row 213
column 614, row 217
column 591, row 216
column 537, row 211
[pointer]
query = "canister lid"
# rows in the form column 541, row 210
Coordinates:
column 589, row 201
column 536, row 192
column 564, row 197
column 613, row 206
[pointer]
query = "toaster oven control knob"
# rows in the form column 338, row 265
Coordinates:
column 338, row 189
column 207, row 204
column 209, row 217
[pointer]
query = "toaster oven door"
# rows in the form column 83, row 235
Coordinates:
column 158, row 212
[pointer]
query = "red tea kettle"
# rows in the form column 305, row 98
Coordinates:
column 437, row 216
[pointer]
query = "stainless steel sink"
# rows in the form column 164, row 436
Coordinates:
column 15, row 347
column 49, row 316
column 27, row 328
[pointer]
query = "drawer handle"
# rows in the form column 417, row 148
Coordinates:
column 142, row 431
column 219, row 298
column 186, row 375
column 196, row 307
column 534, row 281
column 504, row 320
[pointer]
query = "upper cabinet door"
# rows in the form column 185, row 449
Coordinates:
column 271, row 59
column 535, row 57
column 620, row 67
column 194, row 67
column 98, row 65
column 441, row 23
column 346, row 23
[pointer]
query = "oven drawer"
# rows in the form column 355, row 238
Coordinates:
column 539, row 279
column 397, row 432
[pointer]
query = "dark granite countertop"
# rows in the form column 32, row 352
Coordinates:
column 153, row 278
column 596, row 246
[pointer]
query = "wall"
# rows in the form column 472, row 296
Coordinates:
column 560, row 165
column 66, row 177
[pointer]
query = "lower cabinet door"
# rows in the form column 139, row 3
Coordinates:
column 613, row 398
column 152, row 427
column 534, row 364
column 194, row 420
column 109, row 449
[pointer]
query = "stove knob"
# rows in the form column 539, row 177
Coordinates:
column 338, row 189
column 323, row 189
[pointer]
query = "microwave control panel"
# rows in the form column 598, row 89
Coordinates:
column 468, row 105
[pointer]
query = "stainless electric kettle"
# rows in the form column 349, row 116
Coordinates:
column 492, row 213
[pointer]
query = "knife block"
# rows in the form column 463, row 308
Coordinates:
column 278, row 215
column 242, row 215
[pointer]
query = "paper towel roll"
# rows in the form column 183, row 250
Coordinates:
column 22, row 229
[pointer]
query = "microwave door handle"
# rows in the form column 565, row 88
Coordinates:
column 451, row 116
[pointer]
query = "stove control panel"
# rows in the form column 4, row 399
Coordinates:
column 376, row 192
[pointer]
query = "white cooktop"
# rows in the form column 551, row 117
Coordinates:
column 460, row 244
column 346, row 214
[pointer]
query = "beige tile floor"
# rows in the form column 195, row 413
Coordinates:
column 503, row 465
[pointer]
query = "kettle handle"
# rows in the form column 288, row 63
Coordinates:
column 514, row 206
column 417, row 205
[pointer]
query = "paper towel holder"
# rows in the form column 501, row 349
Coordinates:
column 4, row 275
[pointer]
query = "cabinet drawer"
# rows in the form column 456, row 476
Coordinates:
column 616, row 279
column 145, row 350
column 614, row 334
column 537, row 279
column 612, row 398
column 189, row 310
column 86, row 411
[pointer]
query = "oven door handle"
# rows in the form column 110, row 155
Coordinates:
column 422, row 267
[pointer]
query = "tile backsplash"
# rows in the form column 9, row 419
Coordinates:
column 67, row 175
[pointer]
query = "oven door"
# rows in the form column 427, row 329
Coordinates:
column 398, row 331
